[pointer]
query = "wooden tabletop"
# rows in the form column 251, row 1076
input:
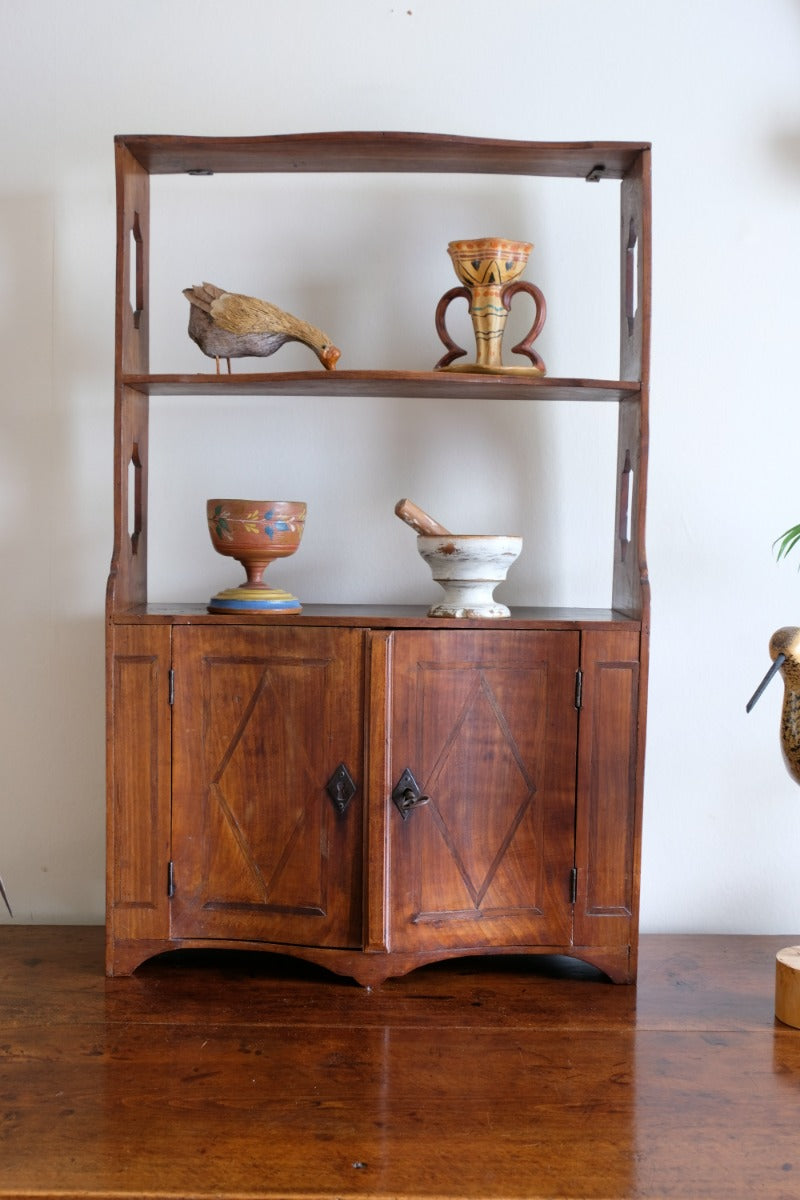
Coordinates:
column 234, row 1075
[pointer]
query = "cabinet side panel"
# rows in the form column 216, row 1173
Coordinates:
column 630, row 592
column 607, row 825
column 635, row 261
column 138, row 785
column 127, row 583
column 133, row 253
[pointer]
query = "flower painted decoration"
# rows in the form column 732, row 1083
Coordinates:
column 220, row 518
column 272, row 526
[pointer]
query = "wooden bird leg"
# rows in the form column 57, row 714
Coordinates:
column 228, row 361
column 216, row 360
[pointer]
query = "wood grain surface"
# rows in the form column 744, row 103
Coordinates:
column 381, row 151
column 234, row 1075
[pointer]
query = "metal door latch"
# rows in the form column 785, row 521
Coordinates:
column 341, row 788
column 407, row 795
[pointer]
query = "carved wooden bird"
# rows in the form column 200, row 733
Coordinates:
column 226, row 325
column 784, row 650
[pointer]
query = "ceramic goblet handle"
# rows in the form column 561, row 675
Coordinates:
column 524, row 347
column 453, row 350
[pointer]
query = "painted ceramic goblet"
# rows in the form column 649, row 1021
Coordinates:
column 255, row 532
column 488, row 269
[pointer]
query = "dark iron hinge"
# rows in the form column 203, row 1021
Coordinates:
column 171, row 675
column 578, row 688
column 170, row 879
column 573, row 885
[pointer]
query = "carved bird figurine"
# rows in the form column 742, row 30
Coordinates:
column 226, row 325
column 784, row 650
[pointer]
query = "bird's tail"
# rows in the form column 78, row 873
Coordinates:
column 203, row 295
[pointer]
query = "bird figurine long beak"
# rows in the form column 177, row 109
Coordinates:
column 5, row 899
column 784, row 650
column 228, row 325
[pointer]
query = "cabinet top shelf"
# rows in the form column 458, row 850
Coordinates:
column 381, row 152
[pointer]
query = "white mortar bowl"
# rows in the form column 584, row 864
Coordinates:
column 469, row 567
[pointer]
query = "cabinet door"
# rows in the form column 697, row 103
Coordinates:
column 262, row 719
column 486, row 722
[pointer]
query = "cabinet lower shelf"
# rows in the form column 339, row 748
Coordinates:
column 378, row 616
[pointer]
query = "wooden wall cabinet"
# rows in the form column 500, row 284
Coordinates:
column 364, row 787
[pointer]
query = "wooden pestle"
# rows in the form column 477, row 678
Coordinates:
column 419, row 520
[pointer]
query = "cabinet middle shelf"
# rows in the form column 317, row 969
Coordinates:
column 411, row 384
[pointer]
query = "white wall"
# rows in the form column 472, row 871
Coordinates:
column 714, row 85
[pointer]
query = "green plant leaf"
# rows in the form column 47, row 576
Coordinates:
column 786, row 542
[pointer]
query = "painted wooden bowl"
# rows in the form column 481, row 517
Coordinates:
column 255, row 532
column 469, row 566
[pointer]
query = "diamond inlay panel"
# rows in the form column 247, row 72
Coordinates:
column 264, row 785
column 480, row 784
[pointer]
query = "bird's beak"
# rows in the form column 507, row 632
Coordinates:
column 758, row 693
column 329, row 357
